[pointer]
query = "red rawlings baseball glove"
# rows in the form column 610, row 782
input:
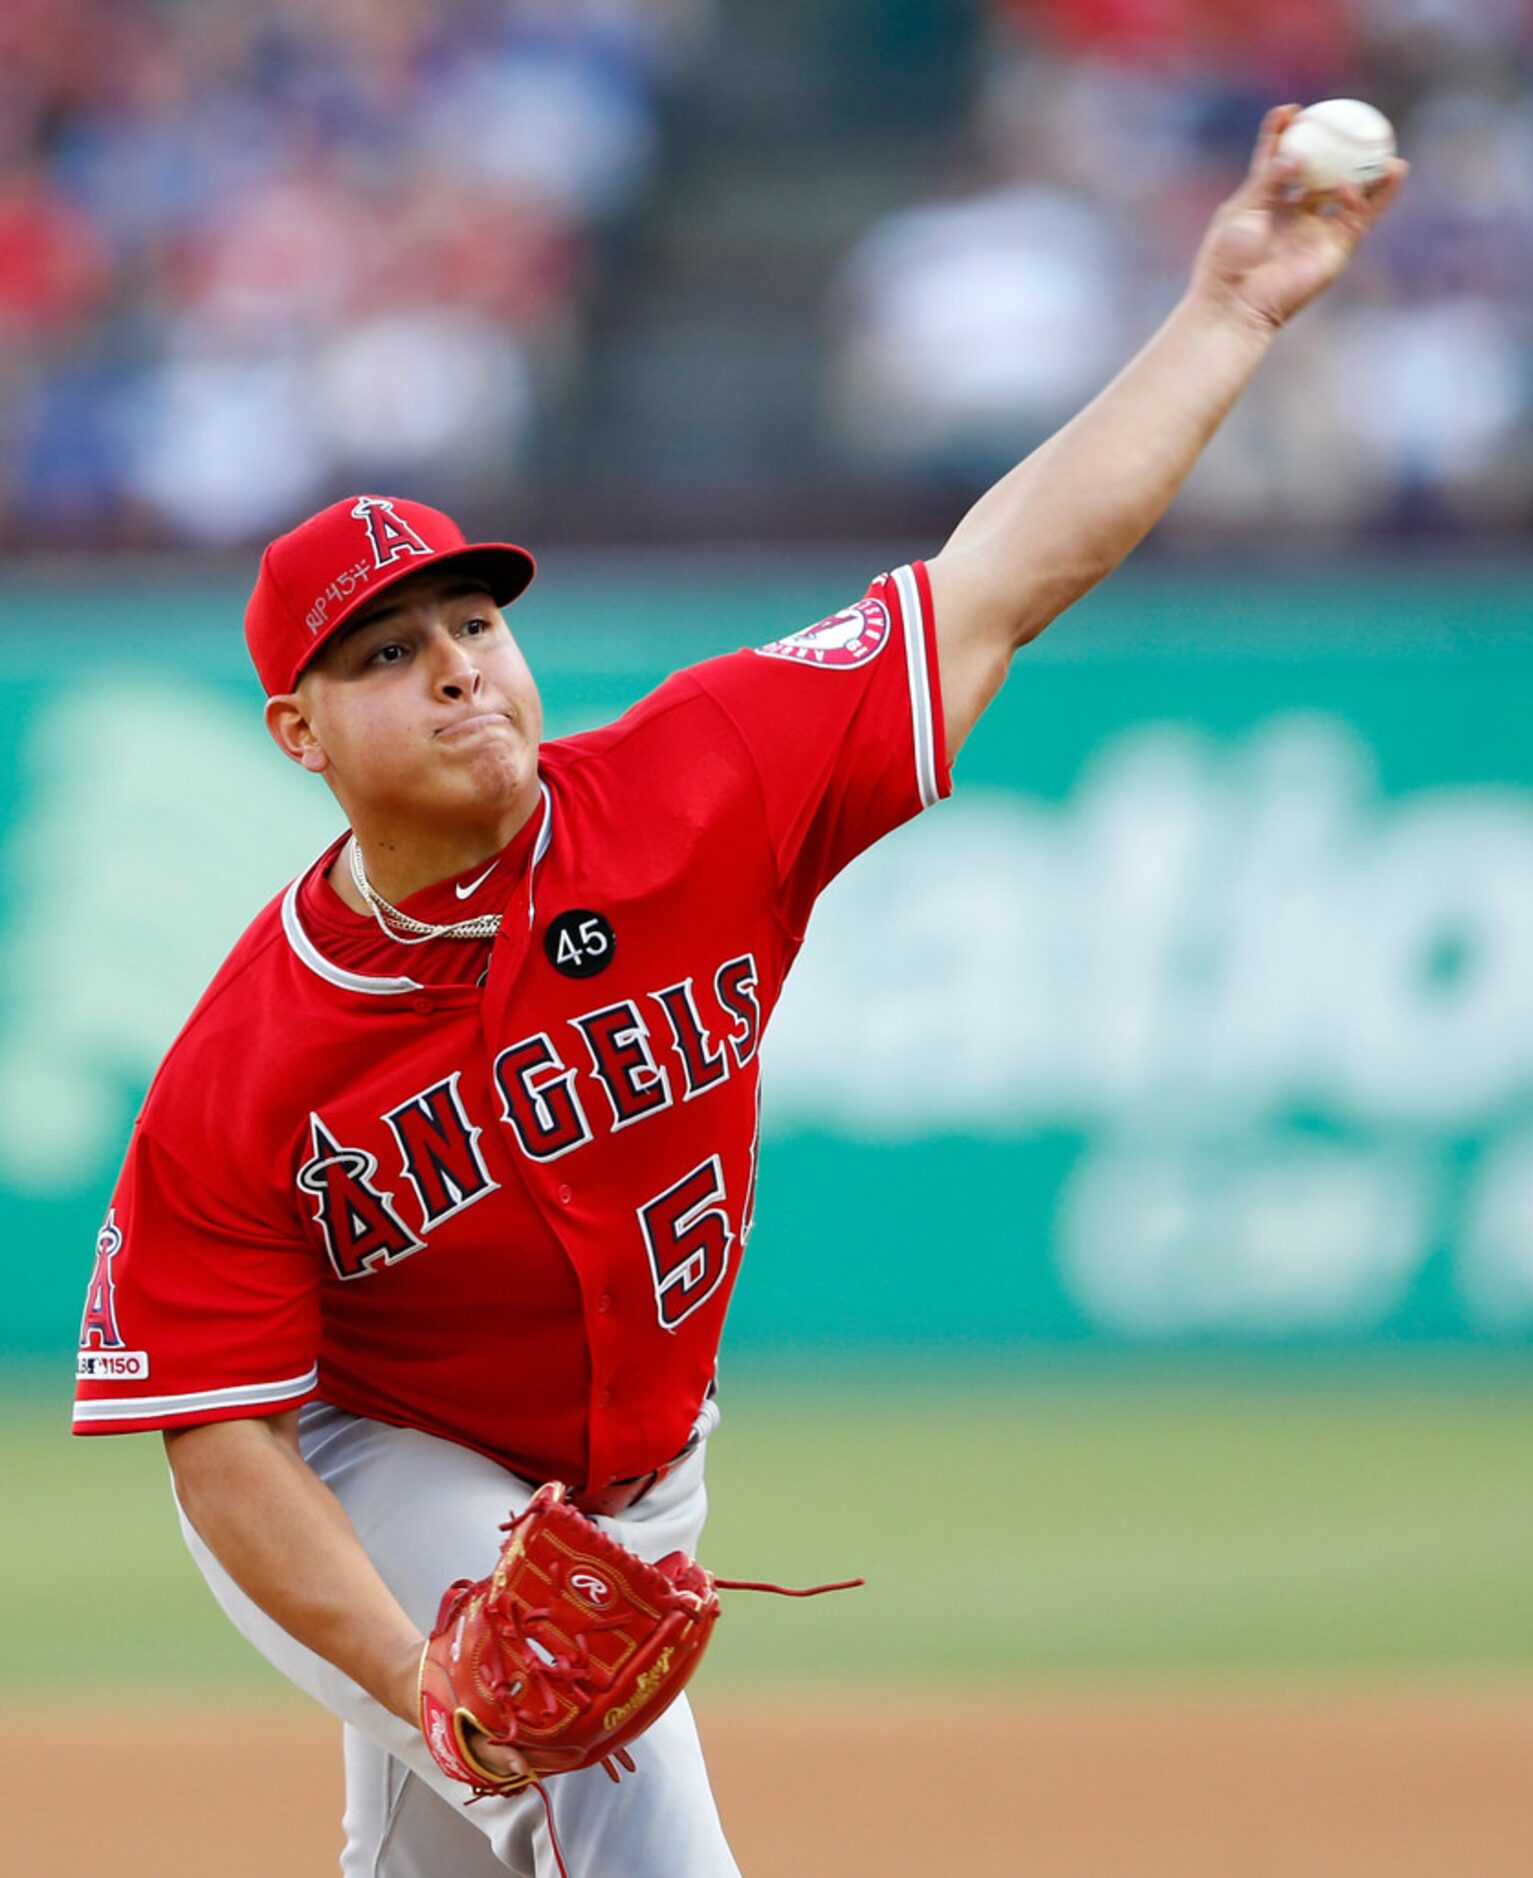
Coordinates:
column 571, row 1647
column 567, row 1650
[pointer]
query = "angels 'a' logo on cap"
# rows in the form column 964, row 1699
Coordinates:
column 850, row 637
column 390, row 535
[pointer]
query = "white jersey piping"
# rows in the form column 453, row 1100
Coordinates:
column 539, row 848
column 913, row 614
column 546, row 832
column 310, row 955
column 242, row 1395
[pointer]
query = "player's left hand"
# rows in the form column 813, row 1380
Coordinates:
column 1272, row 247
column 569, row 1649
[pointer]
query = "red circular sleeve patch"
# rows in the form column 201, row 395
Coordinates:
column 850, row 637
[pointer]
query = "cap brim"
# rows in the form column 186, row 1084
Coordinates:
column 505, row 569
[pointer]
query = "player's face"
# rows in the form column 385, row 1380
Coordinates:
column 422, row 709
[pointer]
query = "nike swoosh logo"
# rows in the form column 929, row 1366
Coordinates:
column 474, row 885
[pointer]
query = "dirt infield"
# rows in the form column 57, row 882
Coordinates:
column 1391, row 1783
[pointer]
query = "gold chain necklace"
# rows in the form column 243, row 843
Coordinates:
column 406, row 930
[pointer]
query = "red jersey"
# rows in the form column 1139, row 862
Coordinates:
column 499, row 1190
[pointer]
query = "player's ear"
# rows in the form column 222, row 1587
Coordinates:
column 293, row 734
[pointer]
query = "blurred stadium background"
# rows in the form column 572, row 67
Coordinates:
column 1149, row 1164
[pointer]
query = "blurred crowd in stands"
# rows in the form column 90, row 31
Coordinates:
column 253, row 250
column 1102, row 135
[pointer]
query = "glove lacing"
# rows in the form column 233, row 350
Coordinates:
column 540, row 1673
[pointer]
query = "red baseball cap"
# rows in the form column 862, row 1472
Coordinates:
column 316, row 576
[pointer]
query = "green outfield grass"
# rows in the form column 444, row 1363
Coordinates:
column 1086, row 1523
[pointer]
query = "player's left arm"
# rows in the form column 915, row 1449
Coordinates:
column 1067, row 515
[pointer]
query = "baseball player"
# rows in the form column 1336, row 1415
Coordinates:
column 443, row 1189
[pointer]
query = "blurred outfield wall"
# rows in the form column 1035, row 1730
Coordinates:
column 1202, row 1014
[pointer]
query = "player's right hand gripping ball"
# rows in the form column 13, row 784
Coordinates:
column 568, row 1650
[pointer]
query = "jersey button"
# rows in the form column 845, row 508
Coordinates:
column 604, row 1302
column 604, row 1399
column 566, row 1194
column 423, row 1005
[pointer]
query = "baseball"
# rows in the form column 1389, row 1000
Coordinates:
column 1338, row 142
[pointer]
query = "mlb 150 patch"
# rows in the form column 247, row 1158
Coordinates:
column 848, row 638
column 112, row 1366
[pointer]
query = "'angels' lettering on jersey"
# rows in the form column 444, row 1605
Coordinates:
column 439, row 1151
column 361, row 1225
column 538, row 1086
column 438, row 1140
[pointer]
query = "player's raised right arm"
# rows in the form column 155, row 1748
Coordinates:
column 1070, row 512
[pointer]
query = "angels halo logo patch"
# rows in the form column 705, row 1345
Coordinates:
column 850, row 637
